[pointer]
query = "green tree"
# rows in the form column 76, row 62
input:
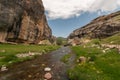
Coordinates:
column 61, row 41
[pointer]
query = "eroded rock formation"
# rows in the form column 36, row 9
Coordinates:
column 100, row 27
column 23, row 21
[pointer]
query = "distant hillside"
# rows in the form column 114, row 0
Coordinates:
column 101, row 27
column 61, row 41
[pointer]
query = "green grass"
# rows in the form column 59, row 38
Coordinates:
column 8, row 52
column 115, row 39
column 100, row 66
column 65, row 58
column 117, row 18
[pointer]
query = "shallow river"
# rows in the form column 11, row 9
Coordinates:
column 34, row 69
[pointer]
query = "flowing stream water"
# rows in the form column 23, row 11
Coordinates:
column 34, row 69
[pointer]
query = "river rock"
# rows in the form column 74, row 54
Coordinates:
column 29, row 76
column 48, row 76
column 4, row 68
column 43, row 64
column 47, row 69
column 82, row 59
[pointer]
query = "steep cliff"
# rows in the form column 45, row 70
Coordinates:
column 23, row 21
column 100, row 27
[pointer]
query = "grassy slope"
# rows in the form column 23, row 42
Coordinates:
column 115, row 39
column 8, row 52
column 104, row 66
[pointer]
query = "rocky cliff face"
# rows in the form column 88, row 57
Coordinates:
column 100, row 27
column 23, row 21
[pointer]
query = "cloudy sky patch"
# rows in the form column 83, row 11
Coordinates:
column 64, row 9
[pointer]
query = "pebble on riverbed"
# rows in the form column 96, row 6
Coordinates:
column 47, row 69
column 48, row 76
column 4, row 68
column 29, row 76
column 43, row 64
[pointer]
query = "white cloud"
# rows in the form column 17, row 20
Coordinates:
column 70, row 8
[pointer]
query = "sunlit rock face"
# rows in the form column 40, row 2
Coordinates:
column 23, row 21
column 101, row 27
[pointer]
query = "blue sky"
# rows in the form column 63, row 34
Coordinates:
column 64, row 17
column 63, row 27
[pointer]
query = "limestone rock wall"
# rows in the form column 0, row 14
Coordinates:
column 101, row 27
column 23, row 21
